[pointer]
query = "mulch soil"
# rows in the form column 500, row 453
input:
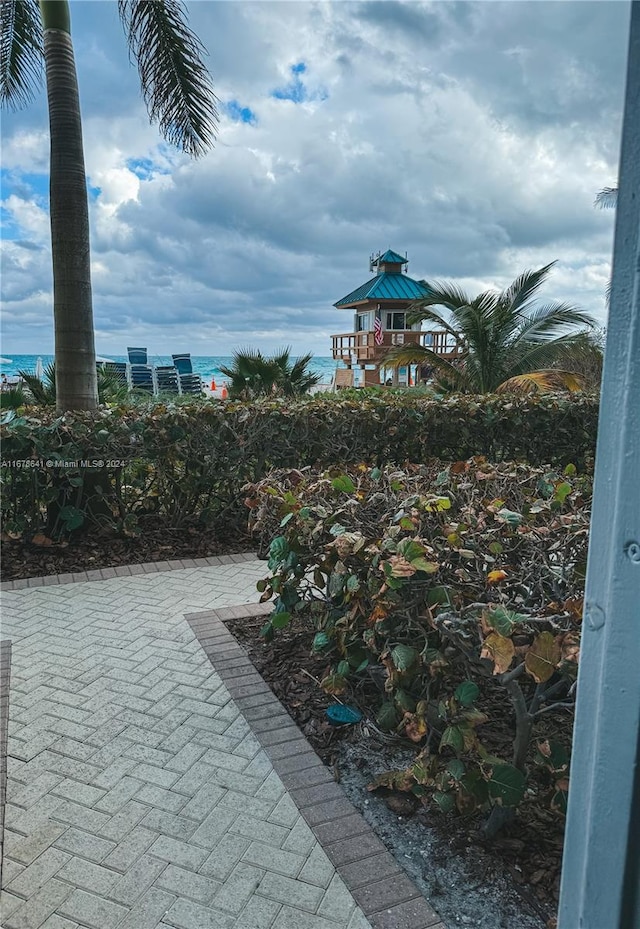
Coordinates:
column 529, row 849
column 21, row 559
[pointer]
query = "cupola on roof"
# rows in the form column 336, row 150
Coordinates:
column 389, row 283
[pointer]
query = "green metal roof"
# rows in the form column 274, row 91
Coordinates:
column 386, row 286
column 391, row 257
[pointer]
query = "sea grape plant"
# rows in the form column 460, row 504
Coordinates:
column 430, row 582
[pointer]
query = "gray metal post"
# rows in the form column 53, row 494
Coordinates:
column 601, row 868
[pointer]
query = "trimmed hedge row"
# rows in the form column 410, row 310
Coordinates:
column 188, row 463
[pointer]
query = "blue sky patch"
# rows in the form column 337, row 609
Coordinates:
column 10, row 229
column 145, row 168
column 240, row 114
column 295, row 90
column 26, row 186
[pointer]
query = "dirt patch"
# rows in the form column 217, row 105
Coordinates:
column 513, row 882
column 23, row 559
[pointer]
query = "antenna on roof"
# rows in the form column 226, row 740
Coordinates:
column 371, row 262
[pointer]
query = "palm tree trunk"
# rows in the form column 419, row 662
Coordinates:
column 76, row 378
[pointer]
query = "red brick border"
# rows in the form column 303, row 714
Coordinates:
column 387, row 897
column 127, row 570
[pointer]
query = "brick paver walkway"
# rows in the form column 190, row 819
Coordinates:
column 137, row 796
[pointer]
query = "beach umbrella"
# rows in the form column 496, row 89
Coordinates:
column 39, row 369
column 5, row 361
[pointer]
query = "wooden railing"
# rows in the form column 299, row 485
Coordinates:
column 362, row 347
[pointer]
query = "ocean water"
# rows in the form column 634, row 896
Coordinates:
column 207, row 366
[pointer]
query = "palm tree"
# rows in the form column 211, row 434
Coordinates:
column 506, row 340
column 178, row 94
column 253, row 375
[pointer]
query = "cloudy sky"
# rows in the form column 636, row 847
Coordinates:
column 472, row 135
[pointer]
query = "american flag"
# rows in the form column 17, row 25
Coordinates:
column 377, row 329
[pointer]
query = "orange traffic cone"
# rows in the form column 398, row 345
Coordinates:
column 213, row 383
column 224, row 393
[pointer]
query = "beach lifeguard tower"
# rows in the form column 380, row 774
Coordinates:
column 380, row 322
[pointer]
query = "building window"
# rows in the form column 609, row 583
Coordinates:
column 362, row 322
column 396, row 320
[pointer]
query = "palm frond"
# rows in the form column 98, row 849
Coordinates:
column 525, row 286
column 442, row 293
column 13, row 398
column 551, row 319
column 40, row 392
column 607, row 198
column 21, row 52
column 542, row 382
column 421, row 311
column 175, row 83
column 535, row 356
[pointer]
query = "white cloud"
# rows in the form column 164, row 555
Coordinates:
column 474, row 136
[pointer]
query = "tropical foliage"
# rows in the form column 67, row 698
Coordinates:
column 508, row 340
column 178, row 94
column 42, row 391
column 253, row 375
column 428, row 585
column 607, row 198
column 183, row 464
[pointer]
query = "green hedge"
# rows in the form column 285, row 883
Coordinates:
column 188, row 463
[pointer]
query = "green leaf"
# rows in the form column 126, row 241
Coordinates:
column 387, row 717
column 72, row 517
column 506, row 785
column 353, row 583
column 445, row 801
column 570, row 470
column 267, row 632
column 337, row 530
column 433, row 655
column 343, row 668
column 278, row 551
column 376, row 474
column 496, row 548
column 438, row 504
column 410, row 549
column 476, row 786
column 404, row 657
column 280, row 620
column 510, row 517
column 439, row 596
column 320, row 641
column 467, row 693
column 404, row 701
column 562, row 492
column 503, row 620
column 453, row 737
column 286, row 519
column 552, row 755
column 421, row 564
column 261, row 586
column 336, row 584
column 456, row 769
column 344, row 484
